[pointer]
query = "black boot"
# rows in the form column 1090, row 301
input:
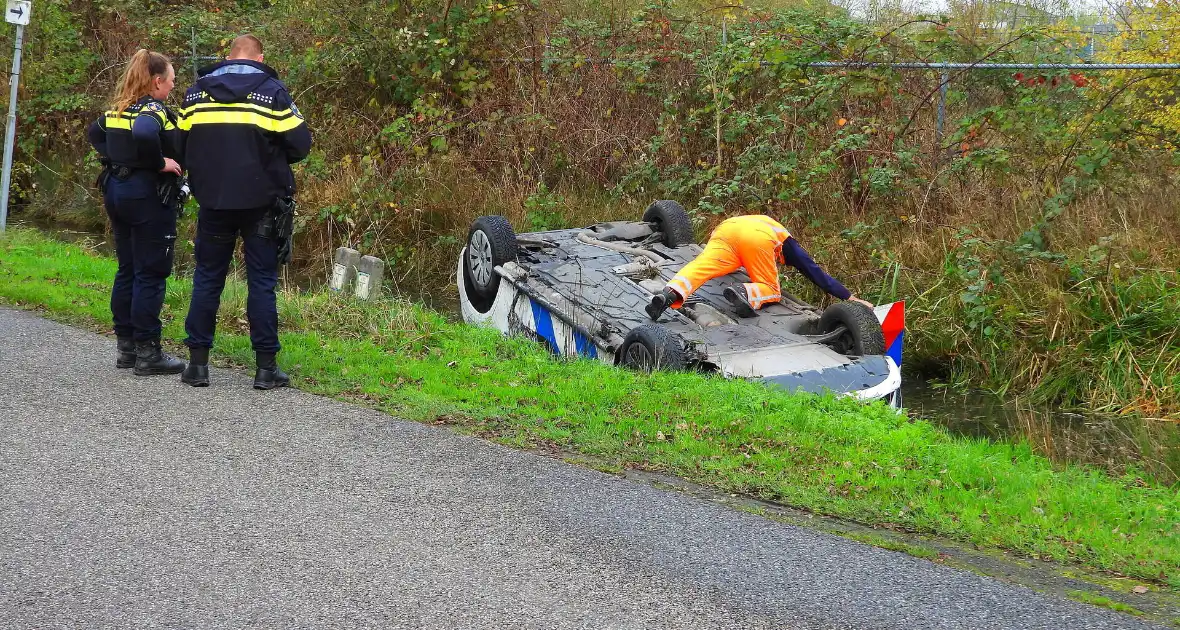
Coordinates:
column 151, row 360
column 740, row 300
column 269, row 376
column 660, row 302
column 197, row 372
column 126, row 353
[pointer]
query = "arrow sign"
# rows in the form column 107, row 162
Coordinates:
column 18, row 11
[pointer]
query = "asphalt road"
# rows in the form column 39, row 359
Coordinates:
column 130, row 502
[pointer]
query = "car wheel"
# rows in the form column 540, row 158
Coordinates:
column 652, row 347
column 862, row 332
column 490, row 242
column 672, row 220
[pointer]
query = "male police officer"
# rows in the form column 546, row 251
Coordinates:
column 242, row 133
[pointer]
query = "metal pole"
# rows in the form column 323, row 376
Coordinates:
column 925, row 65
column 945, row 78
column 194, row 43
column 10, row 135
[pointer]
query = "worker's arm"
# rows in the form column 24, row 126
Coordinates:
column 797, row 257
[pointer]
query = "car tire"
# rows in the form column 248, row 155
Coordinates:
column 672, row 220
column 863, row 336
column 652, row 347
column 490, row 242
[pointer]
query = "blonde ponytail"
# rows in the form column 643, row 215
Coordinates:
column 136, row 81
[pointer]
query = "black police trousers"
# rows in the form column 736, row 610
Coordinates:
column 145, row 236
column 217, row 235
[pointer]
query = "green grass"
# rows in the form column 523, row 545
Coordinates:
column 1093, row 599
column 834, row 456
column 877, row 540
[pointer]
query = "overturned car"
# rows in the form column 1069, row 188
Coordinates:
column 583, row 292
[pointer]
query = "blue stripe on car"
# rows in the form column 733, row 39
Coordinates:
column 544, row 324
column 585, row 346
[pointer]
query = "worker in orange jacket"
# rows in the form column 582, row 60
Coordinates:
column 757, row 243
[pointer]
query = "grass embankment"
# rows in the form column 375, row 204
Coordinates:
column 833, row 456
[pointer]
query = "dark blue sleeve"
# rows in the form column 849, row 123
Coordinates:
column 296, row 142
column 97, row 135
column 146, row 131
column 797, row 257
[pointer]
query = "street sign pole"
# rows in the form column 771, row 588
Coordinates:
column 17, row 13
column 10, row 134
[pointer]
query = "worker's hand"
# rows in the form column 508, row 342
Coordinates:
column 170, row 166
column 853, row 298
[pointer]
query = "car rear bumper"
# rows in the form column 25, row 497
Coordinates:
column 867, row 378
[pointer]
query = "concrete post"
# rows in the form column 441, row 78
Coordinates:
column 368, row 277
column 344, row 269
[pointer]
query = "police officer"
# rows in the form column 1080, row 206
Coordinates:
column 242, row 132
column 140, row 145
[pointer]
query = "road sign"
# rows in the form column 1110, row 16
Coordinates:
column 18, row 11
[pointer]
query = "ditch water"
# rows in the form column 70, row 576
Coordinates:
column 1117, row 444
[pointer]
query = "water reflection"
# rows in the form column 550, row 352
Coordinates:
column 1115, row 443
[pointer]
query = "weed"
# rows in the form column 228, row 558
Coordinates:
column 830, row 455
column 1093, row 599
column 891, row 544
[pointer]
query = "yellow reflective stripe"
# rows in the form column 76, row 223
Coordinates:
column 117, row 123
column 214, row 117
column 279, row 113
column 125, row 121
column 681, row 284
column 756, row 297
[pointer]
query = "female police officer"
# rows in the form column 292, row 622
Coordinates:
column 139, row 142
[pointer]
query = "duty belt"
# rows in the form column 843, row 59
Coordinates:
column 121, row 171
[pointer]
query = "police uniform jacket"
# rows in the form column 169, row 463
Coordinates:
column 139, row 137
column 242, row 132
